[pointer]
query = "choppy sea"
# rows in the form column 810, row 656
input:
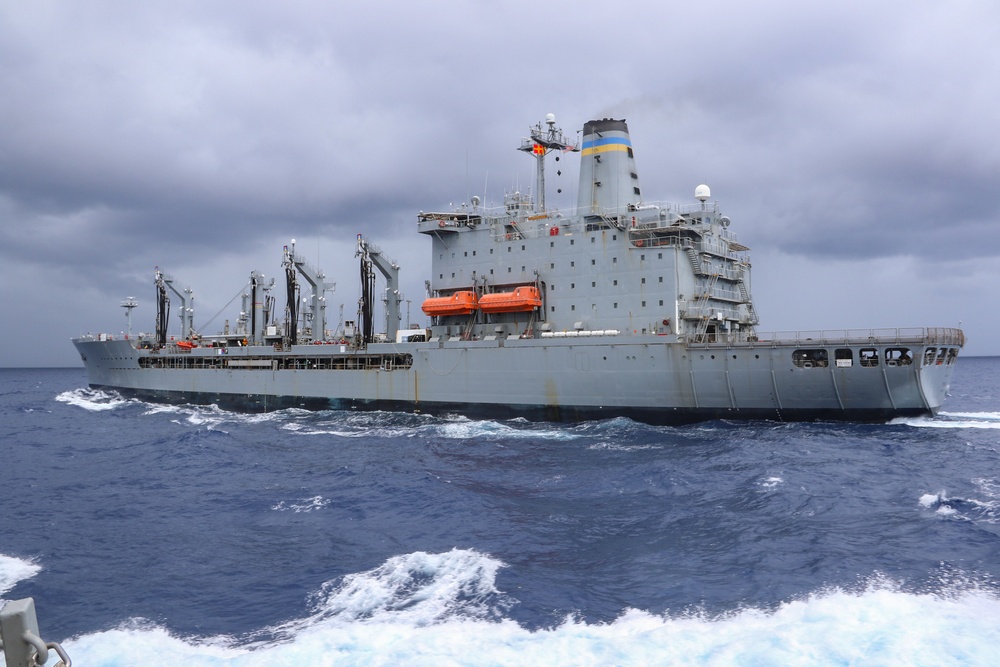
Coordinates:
column 158, row 535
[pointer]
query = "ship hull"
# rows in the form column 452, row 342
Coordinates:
column 646, row 378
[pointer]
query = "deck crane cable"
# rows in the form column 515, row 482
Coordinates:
column 238, row 294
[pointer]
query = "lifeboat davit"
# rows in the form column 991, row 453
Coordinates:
column 521, row 300
column 459, row 303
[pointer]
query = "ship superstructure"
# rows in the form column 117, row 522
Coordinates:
column 624, row 306
column 618, row 264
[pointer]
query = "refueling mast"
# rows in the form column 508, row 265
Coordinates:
column 164, row 282
column 294, row 263
column 371, row 255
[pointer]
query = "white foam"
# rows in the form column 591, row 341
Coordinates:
column 990, row 416
column 953, row 420
column 433, row 609
column 365, row 621
column 306, row 505
column 971, row 509
column 421, row 588
column 465, row 429
column 929, row 500
column 94, row 400
column 211, row 416
column 13, row 570
column 771, row 483
column 621, row 447
column 378, row 425
column 991, row 487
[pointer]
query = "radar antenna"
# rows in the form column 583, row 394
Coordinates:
column 540, row 142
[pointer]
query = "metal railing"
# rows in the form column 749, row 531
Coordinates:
column 898, row 336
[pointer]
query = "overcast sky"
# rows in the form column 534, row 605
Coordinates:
column 853, row 144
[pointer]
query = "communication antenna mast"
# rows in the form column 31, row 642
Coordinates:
column 542, row 141
column 128, row 304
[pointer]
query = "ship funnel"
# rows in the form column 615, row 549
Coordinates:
column 608, row 180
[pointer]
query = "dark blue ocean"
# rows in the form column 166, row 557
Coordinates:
column 156, row 535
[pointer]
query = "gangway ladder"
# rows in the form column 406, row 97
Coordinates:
column 695, row 260
column 751, row 311
column 702, row 307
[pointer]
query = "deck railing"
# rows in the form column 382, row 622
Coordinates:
column 897, row 336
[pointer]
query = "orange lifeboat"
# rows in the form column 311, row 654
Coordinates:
column 459, row 303
column 521, row 300
column 185, row 344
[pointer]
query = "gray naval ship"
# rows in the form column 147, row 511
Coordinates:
column 622, row 307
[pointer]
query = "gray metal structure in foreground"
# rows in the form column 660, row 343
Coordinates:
column 20, row 639
column 644, row 310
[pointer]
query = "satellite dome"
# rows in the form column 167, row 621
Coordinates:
column 550, row 118
column 702, row 192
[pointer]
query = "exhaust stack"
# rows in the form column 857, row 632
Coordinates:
column 608, row 180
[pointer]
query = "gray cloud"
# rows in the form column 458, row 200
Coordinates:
column 839, row 138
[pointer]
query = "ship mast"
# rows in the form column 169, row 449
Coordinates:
column 539, row 144
column 164, row 282
column 128, row 304
column 372, row 256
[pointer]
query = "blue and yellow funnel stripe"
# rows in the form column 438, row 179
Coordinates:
column 605, row 145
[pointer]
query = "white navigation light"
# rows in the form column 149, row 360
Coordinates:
column 702, row 192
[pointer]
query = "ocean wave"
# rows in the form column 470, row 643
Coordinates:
column 94, row 400
column 431, row 609
column 771, row 483
column 305, row 505
column 378, row 424
column 462, row 429
column 972, row 509
column 14, row 570
column 953, row 420
column 623, row 447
